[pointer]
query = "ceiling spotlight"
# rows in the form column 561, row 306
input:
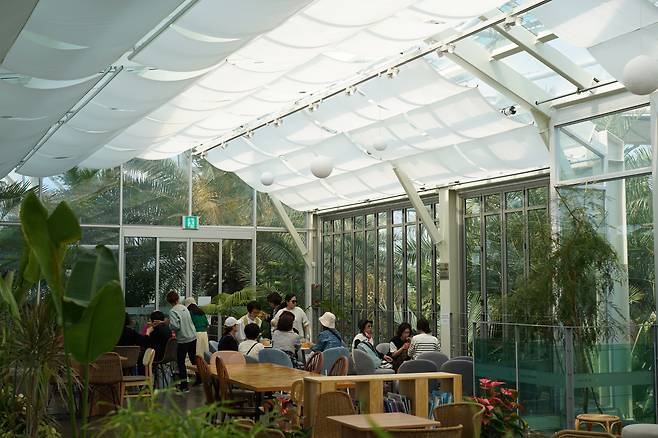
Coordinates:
column 508, row 111
column 350, row 90
column 249, row 134
column 314, row 106
column 277, row 122
column 392, row 72
column 204, row 155
column 447, row 48
column 223, row 145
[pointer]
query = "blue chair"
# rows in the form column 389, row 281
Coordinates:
column 212, row 345
column 435, row 356
column 330, row 356
column 463, row 367
column 251, row 359
column 275, row 356
column 420, row 366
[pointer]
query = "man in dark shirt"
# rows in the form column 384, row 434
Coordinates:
column 129, row 335
column 276, row 303
column 158, row 334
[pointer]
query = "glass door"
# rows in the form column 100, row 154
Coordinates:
column 172, row 270
column 206, row 272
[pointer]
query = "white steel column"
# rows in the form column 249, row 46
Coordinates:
column 449, row 271
column 310, row 271
column 654, row 174
column 421, row 210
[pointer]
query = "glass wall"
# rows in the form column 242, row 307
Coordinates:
column 379, row 264
column 503, row 229
column 242, row 237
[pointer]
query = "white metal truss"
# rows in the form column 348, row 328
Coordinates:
column 308, row 258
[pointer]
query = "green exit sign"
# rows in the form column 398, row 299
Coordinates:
column 190, row 222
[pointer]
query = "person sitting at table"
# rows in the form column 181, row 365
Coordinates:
column 251, row 346
column 329, row 337
column 399, row 345
column 276, row 304
column 157, row 334
column 200, row 321
column 285, row 337
column 300, row 324
column 228, row 342
column 365, row 337
column 253, row 310
column 129, row 336
column 423, row 341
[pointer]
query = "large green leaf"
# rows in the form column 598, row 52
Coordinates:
column 91, row 272
column 28, row 273
column 7, row 296
column 100, row 326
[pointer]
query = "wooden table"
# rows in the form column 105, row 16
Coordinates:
column 362, row 426
column 262, row 377
column 370, row 390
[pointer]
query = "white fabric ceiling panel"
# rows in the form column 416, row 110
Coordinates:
column 614, row 54
column 231, row 19
column 461, row 10
column 70, row 39
column 353, row 14
column 108, row 157
column 586, row 23
column 176, row 50
column 18, row 136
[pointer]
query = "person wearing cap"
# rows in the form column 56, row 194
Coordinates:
column 229, row 335
column 329, row 337
column 180, row 321
column 200, row 321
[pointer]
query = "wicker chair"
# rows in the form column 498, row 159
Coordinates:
column 231, row 357
column 106, row 372
column 143, row 383
column 297, row 397
column 581, row 434
column 330, row 404
column 340, row 367
column 131, row 353
column 441, row 432
column 206, row 379
column 227, row 397
column 315, row 363
column 468, row 415
column 162, row 369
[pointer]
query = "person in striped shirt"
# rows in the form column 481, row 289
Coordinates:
column 423, row 341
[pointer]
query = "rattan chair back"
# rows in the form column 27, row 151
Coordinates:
column 130, row 352
column 147, row 361
column 206, row 379
column 106, row 370
column 329, row 404
column 315, row 363
column 231, row 357
column 467, row 414
column 340, row 367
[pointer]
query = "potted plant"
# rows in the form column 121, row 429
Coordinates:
column 501, row 417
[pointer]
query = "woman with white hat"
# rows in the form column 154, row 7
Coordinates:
column 200, row 321
column 229, row 335
column 329, row 337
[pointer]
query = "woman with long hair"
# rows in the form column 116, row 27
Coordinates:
column 200, row 321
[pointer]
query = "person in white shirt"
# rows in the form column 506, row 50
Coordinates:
column 423, row 341
column 251, row 346
column 301, row 324
column 253, row 310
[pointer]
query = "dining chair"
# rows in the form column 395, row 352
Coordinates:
column 364, row 365
column 106, row 372
column 315, row 363
column 234, row 406
column 330, row 404
column 440, row 432
column 435, row 356
column 232, row 357
column 330, row 356
column 163, row 369
column 274, row 356
column 297, row 397
column 251, row 359
column 131, row 353
column 206, row 379
column 468, row 415
column 469, row 358
column 463, row 367
column 143, row 383
column 383, row 348
column 420, row 366
column 212, row 346
column 340, row 366
column 581, row 434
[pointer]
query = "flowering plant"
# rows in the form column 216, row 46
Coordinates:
column 501, row 410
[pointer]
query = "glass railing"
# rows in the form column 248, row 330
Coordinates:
column 561, row 372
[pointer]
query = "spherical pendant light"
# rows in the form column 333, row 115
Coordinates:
column 322, row 167
column 640, row 75
column 267, row 179
column 380, row 147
